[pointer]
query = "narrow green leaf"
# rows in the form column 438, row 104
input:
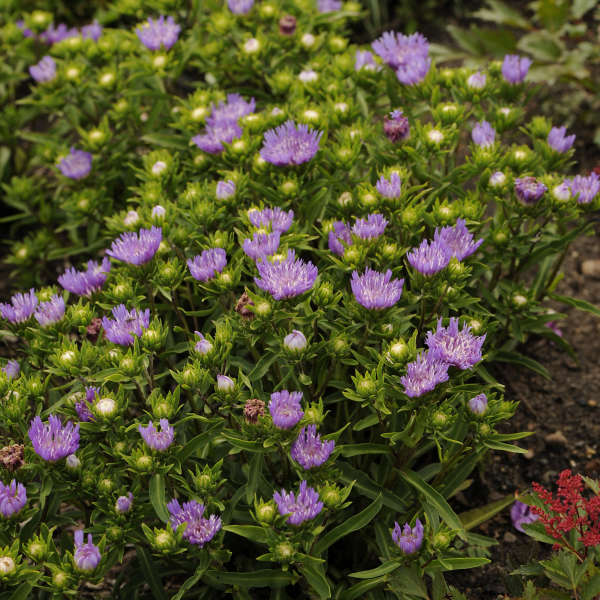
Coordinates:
column 190, row 582
column 359, row 590
column 151, row 572
column 454, row 564
column 157, row 497
column 495, row 445
column 350, row 450
column 315, row 575
column 254, row 471
column 250, row 532
column 260, row 578
column 383, row 569
column 22, row 592
column 576, row 303
column 198, row 442
column 477, row 516
column 519, row 359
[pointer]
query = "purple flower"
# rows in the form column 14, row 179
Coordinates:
column 203, row 346
column 199, row 530
column 123, row 503
column 483, row 134
column 458, row 348
column 163, row 32
column 233, row 109
column 76, row 165
column 21, row 307
column 423, row 375
column 374, row 290
column 308, row 450
column 83, row 406
column 93, row 31
column 290, row 144
column 125, row 325
column 261, row 245
column 430, row 257
column 285, row 409
column 477, row 80
column 287, row 277
column 478, row 404
column 396, row 126
column 371, row 227
column 558, row 140
column 54, row 35
column 585, row 188
column 84, row 283
column 408, row 539
column 365, row 60
column 225, row 189
column 389, row 188
column 11, row 369
column 225, row 384
column 515, row 68
column 13, row 498
column 325, row 6
column 206, row 265
column 274, row 218
column 26, row 31
column 136, row 248
column 155, row 439
column 521, row 514
column 240, row 7
column 529, row 190
column 48, row 313
column 341, row 233
column 295, row 341
column 53, row 441
column 459, row 239
column 408, row 55
column 217, row 132
column 44, row 71
column 303, row 506
column 86, row 556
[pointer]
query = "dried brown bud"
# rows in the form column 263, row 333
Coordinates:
column 93, row 329
column 242, row 307
column 287, row 25
column 12, row 457
column 254, row 408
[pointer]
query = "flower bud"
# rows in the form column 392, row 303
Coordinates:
column 37, row 550
column 106, row 407
column 441, row 540
column 73, row 463
column 519, row 300
column 7, row 565
column 284, row 552
column 67, row 358
column 144, row 463
column 60, row 579
column 439, row 419
column 265, row 512
column 106, row 485
column 251, row 46
column 262, row 309
column 287, row 25
column 164, row 540
column 295, row 342
column 478, row 404
column 124, row 503
column 225, row 384
column 366, row 387
column 399, row 350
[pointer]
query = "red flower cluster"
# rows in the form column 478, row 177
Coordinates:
column 569, row 510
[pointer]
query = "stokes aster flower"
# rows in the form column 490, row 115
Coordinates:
column 529, row 190
column 11, row 369
column 21, row 307
column 274, row 218
column 515, row 68
column 261, row 245
column 86, row 556
column 285, row 409
column 206, row 265
column 199, row 530
column 423, row 375
column 430, row 257
column 203, row 346
column 559, row 141
column 521, row 514
column 160, row 32
column 290, row 144
column 454, row 347
column 585, row 189
column 13, row 498
column 375, row 290
column 363, row 59
column 478, row 404
column 53, row 441
column 124, row 503
column 155, row 439
column 408, row 539
column 371, row 227
column 483, row 134
column 326, row 6
column 44, row 71
column 295, row 341
column 308, row 450
column 477, row 80
column 396, row 126
column 301, row 507
column 341, row 233
column 125, row 325
column 53, row 35
column 240, row 7
column 458, row 239
column 286, row 278
column 389, row 188
column 233, row 109
column 225, row 189
column 136, row 248
column 83, row 406
column 48, row 313
column 84, row 283
column 76, row 165
column 93, row 31
column 407, row 55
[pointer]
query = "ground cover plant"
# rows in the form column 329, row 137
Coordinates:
column 277, row 267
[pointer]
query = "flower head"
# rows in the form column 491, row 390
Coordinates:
column 217, row 132
column 240, row 7
column 50, row 312
column 371, row 227
column 160, row 32
column 274, row 218
column 308, row 450
column 478, row 404
column 13, row 498
column 529, row 190
column 515, row 68
column 203, row 346
column 408, row 55
column 285, row 409
column 408, row 539
column 454, row 347
column 86, row 556
column 325, row 6
column 44, row 71
column 477, row 80
column 261, row 245
column 233, row 109
column 521, row 514
column 497, row 179
column 584, row 188
column 125, row 324
column 84, row 283
column 155, row 439
column 483, row 134
column 287, row 277
column 295, row 341
column 375, row 290
column 199, row 530
column 396, row 126
column 253, row 409
column 11, row 369
column 53, row 35
column 290, row 144
column 365, row 60
column 225, row 189
column 206, row 265
column 93, row 31
column 21, row 307
column 303, row 506
column 459, row 239
column 430, row 257
column 225, row 383
column 389, row 188
column 136, row 248
column 341, row 233
column 53, row 441
column 76, row 165
column 559, row 141
column 123, row 503
column 83, row 406
column 423, row 375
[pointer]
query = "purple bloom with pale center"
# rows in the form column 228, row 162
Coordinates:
column 240, row 7
column 375, row 290
column 529, row 190
column 13, row 498
column 459, row 348
column 389, row 188
column 225, row 189
column 48, row 313
column 408, row 55
column 136, row 248
column 559, row 141
column 261, row 245
column 459, row 239
column 22, row 306
column 423, row 375
column 53, row 440
column 217, row 133
column 155, row 439
column 521, row 514
column 483, row 134
column 199, row 530
column 325, row 6
column 274, row 218
column 285, row 409
column 83, row 406
column 477, row 80
column 160, row 32
column 515, row 68
column 54, row 35
column 125, row 325
column 44, row 71
column 430, row 257
column 225, row 383
column 93, row 31
column 233, row 109
column 365, row 60
column 290, row 144
column 86, row 556
column 396, row 126
column 478, row 404
column 84, row 283
column 341, row 233
column 124, row 503
column 285, row 278
column 584, row 188
column 203, row 346
column 76, row 165
column 408, row 539
column 11, row 369
column 295, row 341
column 308, row 450
column 303, row 506
column 206, row 265
column 371, row 227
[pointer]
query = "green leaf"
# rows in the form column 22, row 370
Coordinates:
column 591, row 588
column 383, row 569
column 580, row 7
column 314, row 573
column 165, row 140
column 476, row 516
column 242, row 444
column 350, row 450
column 358, row 590
column 542, row 45
column 198, row 442
column 498, row 12
column 496, row 445
column 157, row 497
column 22, row 592
column 369, row 421
column 576, row 303
column 254, row 471
column 190, row 582
column 455, row 564
column 410, row 581
column 519, row 359
column 151, row 573
column 259, row 578
column 250, row 532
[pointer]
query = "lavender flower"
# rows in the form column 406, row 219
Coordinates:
column 163, row 32
column 389, row 188
column 25, row 30
column 325, row 6
column 559, row 141
column 44, row 71
column 295, row 341
column 286, row 278
column 483, row 134
column 225, row 384
column 341, row 233
column 76, row 165
column 261, row 245
column 477, row 80
column 308, row 450
column 529, row 190
column 478, row 404
column 155, row 439
column 21, row 307
column 458, row 348
column 396, row 126
column 585, row 188
column 83, row 406
column 136, row 248
column 274, row 218
column 199, row 530
column 217, row 133
column 374, row 290
column 123, row 503
column 125, row 325
column 521, row 514
column 303, row 506
column 408, row 55
column 53, row 441
column 423, row 375
column 203, row 346
column 84, row 283
column 371, row 227
column 13, row 498
column 365, row 60
column 285, row 409
column 458, row 239
column 233, row 109
column 48, row 313
column 408, row 539
column 430, row 257
column 11, row 369
column 54, row 35
column 206, row 265
column 497, row 179
column 225, row 189
column 93, row 31
column 515, row 68
column 86, row 556
column 290, row 144
column 240, row 7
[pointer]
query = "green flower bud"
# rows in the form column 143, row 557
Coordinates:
column 7, row 565
column 265, row 512
column 144, row 463
column 284, row 552
column 331, row 496
column 366, row 387
column 441, row 540
column 60, row 579
column 164, row 540
column 37, row 550
column 106, row 485
column 399, row 350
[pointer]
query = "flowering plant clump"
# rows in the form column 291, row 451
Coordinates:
column 262, row 276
